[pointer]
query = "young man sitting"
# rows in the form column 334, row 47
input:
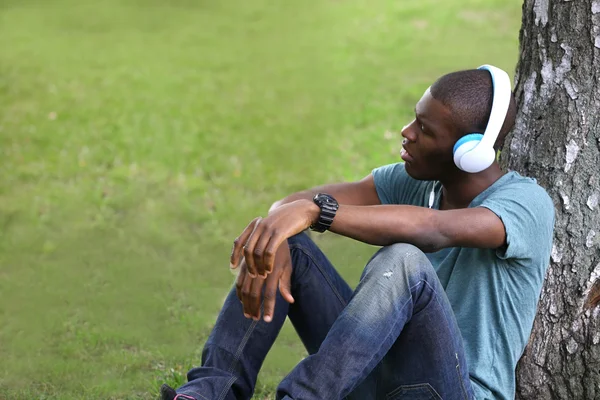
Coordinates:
column 442, row 311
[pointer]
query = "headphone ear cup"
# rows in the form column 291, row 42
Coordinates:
column 464, row 146
column 478, row 159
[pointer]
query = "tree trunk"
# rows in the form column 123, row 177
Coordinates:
column 556, row 140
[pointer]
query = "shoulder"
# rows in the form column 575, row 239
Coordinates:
column 395, row 186
column 515, row 189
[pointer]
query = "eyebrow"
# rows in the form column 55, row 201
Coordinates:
column 424, row 123
column 419, row 116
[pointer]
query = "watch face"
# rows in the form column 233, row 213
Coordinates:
column 322, row 198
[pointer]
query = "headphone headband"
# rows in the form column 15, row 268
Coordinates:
column 502, row 92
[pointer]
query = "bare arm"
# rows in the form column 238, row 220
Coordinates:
column 429, row 230
column 361, row 216
column 359, row 193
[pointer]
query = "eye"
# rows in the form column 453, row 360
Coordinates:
column 421, row 126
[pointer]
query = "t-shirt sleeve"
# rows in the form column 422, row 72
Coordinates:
column 389, row 181
column 527, row 213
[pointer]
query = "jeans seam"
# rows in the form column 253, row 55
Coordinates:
column 226, row 388
column 458, row 369
column 236, row 358
column 242, row 345
column 195, row 394
column 401, row 308
column 316, row 264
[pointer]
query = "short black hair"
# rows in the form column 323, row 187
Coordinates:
column 468, row 94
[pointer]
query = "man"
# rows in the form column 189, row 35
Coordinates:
column 445, row 308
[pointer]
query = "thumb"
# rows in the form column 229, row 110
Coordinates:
column 285, row 284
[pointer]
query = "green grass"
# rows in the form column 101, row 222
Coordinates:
column 138, row 139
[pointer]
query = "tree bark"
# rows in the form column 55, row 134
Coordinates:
column 556, row 140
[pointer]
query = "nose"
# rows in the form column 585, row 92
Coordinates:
column 408, row 132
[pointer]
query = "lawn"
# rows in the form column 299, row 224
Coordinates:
column 138, row 138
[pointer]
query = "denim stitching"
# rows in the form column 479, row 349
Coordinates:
column 226, row 388
column 458, row 370
column 195, row 393
column 422, row 281
column 242, row 345
column 462, row 384
column 236, row 358
column 401, row 308
column 312, row 259
column 333, row 288
column 430, row 388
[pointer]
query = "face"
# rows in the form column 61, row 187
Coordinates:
column 428, row 141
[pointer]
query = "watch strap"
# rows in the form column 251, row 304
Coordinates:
column 328, row 211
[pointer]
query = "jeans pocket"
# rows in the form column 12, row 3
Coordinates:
column 422, row 391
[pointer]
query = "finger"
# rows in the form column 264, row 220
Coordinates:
column 238, row 244
column 269, row 297
column 249, row 248
column 246, row 295
column 239, row 281
column 259, row 253
column 285, row 284
column 271, row 249
column 254, row 298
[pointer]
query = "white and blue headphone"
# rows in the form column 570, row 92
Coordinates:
column 475, row 152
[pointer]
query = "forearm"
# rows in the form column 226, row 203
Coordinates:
column 387, row 224
column 352, row 193
column 303, row 195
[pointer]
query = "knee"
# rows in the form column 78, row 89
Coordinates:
column 400, row 258
column 401, row 250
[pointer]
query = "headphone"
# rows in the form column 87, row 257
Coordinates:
column 475, row 152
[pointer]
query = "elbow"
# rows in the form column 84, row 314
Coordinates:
column 431, row 240
column 434, row 236
column 428, row 244
column 424, row 246
column 431, row 246
column 428, row 248
column 424, row 242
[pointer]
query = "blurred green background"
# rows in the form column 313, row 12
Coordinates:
column 138, row 138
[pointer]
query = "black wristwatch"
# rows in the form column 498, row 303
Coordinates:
column 329, row 207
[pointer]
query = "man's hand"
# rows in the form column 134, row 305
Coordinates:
column 263, row 236
column 249, row 290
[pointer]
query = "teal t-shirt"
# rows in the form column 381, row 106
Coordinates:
column 494, row 293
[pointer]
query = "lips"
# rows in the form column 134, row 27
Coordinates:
column 405, row 155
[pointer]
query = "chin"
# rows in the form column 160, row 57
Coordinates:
column 418, row 174
column 412, row 172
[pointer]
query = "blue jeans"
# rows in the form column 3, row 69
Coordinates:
column 394, row 337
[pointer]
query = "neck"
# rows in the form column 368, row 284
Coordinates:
column 460, row 189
